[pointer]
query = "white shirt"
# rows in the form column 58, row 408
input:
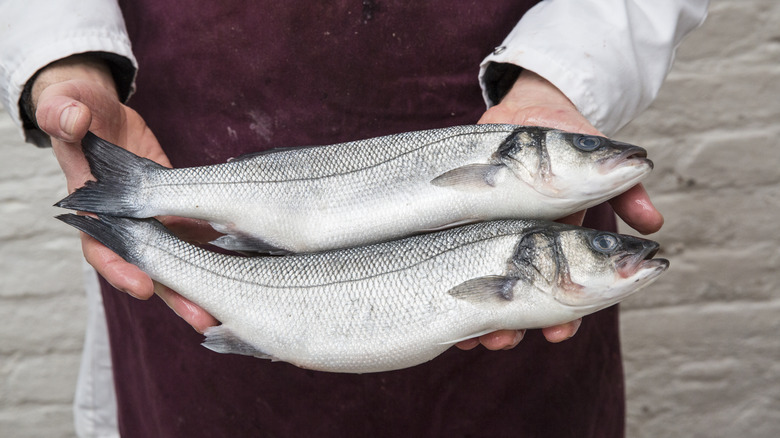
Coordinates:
column 609, row 57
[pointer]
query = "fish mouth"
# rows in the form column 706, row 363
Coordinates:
column 632, row 263
column 630, row 156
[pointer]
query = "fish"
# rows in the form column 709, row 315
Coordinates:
column 389, row 305
column 311, row 199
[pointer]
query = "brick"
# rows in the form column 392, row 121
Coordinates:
column 744, row 31
column 706, row 370
column 717, row 159
column 710, row 275
column 722, row 246
column 43, row 324
column 726, row 218
column 39, row 379
column 744, row 98
column 41, row 268
column 36, row 421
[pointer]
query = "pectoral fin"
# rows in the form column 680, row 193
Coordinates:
column 483, row 289
column 467, row 337
column 233, row 240
column 246, row 244
column 222, row 340
column 471, row 177
column 459, row 223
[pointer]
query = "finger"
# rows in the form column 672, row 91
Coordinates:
column 63, row 115
column 468, row 344
column 66, row 120
column 502, row 339
column 66, row 110
column 63, row 118
column 518, row 337
column 73, row 164
column 562, row 332
column 120, row 274
column 636, row 210
column 195, row 316
column 498, row 340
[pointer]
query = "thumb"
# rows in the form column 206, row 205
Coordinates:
column 61, row 113
column 66, row 110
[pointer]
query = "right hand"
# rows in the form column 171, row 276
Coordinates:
column 76, row 95
column 533, row 100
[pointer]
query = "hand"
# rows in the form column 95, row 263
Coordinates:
column 535, row 101
column 78, row 94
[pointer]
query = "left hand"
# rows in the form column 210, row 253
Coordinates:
column 535, row 101
column 77, row 94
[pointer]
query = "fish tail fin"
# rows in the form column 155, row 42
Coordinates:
column 119, row 175
column 117, row 233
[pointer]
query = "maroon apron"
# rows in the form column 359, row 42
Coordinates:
column 219, row 79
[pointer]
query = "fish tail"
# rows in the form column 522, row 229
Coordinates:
column 117, row 233
column 119, row 174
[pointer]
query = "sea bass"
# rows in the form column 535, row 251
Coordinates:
column 350, row 194
column 394, row 304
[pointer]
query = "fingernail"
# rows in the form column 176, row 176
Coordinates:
column 518, row 337
column 68, row 118
column 131, row 293
column 468, row 344
column 575, row 326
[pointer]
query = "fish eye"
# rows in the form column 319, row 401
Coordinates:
column 587, row 142
column 605, row 243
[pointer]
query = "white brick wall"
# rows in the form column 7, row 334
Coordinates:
column 41, row 295
column 700, row 348
column 702, row 357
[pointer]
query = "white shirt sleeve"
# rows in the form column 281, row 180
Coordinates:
column 609, row 57
column 34, row 33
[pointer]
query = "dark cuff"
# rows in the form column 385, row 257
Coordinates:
column 499, row 78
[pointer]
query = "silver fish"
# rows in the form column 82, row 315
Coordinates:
column 390, row 305
column 351, row 194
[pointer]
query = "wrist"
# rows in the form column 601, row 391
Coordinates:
column 533, row 100
column 84, row 67
column 530, row 90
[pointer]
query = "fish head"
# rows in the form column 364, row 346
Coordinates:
column 587, row 268
column 570, row 166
